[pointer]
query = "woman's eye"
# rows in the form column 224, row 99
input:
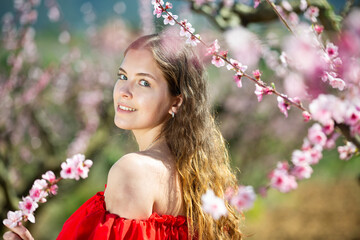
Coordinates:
column 122, row 77
column 144, row 83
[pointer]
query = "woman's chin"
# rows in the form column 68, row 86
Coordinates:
column 122, row 125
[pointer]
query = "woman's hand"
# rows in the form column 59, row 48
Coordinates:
column 18, row 233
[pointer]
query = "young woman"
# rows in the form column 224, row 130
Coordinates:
column 155, row 193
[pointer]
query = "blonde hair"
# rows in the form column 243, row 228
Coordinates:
column 193, row 137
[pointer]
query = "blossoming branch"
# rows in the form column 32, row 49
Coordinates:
column 221, row 57
column 75, row 167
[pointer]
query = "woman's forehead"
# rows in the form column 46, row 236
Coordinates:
column 141, row 61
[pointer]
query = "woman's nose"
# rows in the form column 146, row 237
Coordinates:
column 125, row 90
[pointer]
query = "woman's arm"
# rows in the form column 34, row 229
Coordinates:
column 131, row 187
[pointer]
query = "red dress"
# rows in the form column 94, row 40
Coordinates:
column 92, row 221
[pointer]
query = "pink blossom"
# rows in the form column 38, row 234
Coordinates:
column 303, row 5
column 67, row 171
column 319, row 109
column 237, row 78
column 168, row 5
column 282, row 166
column 283, row 106
column 186, row 28
column 213, row 205
column 28, row 206
column 301, row 157
column 53, row 189
column 169, row 18
column 315, row 154
column 352, row 116
column 81, row 171
column 218, row 61
column 193, row 40
column 302, row 171
column 75, row 167
column 244, row 45
column 228, row 3
column 318, row 28
column 260, row 91
column 54, row 14
column 229, row 193
column 256, row 3
column 13, row 218
column 281, row 180
column 157, row 11
column 306, row 115
column 64, row 37
column 312, row 13
column 347, row 151
column 283, row 59
column 38, row 194
column 316, row 135
column 257, row 74
column 49, row 176
column 293, row 18
column 244, row 199
column 327, row 107
column 157, row 2
column 301, row 51
column 223, row 54
column 40, row 183
column 286, row 5
column 235, row 65
column 328, row 127
column 336, row 82
column 337, row 62
column 214, row 48
column 306, row 145
column 88, row 163
column 331, row 50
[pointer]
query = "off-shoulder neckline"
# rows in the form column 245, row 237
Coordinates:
column 153, row 215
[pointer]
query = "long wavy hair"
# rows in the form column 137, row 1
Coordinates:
column 193, row 137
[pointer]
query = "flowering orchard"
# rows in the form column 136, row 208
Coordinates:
column 335, row 114
column 56, row 94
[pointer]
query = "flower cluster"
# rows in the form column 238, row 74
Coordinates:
column 329, row 111
column 243, row 199
column 73, row 168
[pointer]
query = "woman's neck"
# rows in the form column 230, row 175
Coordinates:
column 147, row 138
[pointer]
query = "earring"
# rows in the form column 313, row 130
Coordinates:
column 172, row 114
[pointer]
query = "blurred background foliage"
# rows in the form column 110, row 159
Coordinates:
column 59, row 103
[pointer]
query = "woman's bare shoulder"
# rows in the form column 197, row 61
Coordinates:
column 132, row 185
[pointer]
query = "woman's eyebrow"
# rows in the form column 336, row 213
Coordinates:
column 140, row 74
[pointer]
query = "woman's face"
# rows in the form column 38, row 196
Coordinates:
column 141, row 96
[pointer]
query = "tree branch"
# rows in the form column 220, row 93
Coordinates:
column 241, row 14
column 345, row 131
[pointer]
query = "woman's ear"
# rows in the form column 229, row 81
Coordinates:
column 176, row 104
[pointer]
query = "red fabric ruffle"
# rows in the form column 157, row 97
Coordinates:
column 92, row 221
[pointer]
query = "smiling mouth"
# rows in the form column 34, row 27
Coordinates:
column 126, row 108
